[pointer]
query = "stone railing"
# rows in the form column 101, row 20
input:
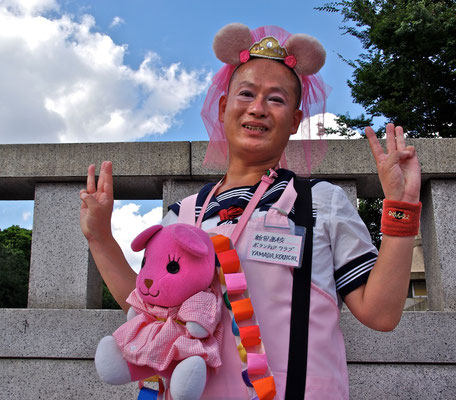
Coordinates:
column 47, row 349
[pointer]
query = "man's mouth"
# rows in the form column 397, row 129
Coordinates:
column 255, row 128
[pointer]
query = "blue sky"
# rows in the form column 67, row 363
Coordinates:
column 117, row 70
column 182, row 31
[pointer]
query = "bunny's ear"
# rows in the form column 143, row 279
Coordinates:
column 308, row 51
column 141, row 240
column 189, row 240
column 230, row 41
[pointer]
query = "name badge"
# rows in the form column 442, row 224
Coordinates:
column 276, row 248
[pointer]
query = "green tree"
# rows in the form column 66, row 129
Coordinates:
column 15, row 250
column 108, row 300
column 408, row 72
column 348, row 126
column 370, row 211
column 15, row 245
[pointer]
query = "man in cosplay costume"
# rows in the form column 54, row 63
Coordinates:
column 265, row 90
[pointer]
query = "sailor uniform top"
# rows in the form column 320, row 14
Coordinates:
column 341, row 239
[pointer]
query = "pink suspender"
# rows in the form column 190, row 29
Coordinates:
column 266, row 180
column 187, row 204
column 278, row 213
column 264, row 184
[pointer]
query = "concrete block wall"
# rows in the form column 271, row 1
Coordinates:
column 46, row 350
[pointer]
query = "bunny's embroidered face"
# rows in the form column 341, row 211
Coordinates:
column 179, row 262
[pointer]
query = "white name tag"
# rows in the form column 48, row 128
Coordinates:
column 275, row 248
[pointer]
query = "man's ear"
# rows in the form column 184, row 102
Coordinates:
column 297, row 117
column 222, row 107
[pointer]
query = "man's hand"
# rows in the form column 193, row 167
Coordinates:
column 97, row 204
column 378, row 304
column 95, row 218
column 398, row 170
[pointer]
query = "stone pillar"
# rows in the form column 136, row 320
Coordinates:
column 350, row 190
column 438, row 227
column 62, row 273
column 176, row 190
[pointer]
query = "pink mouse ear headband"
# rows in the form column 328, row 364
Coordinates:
column 236, row 44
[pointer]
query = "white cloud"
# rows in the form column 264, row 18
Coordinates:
column 29, row 7
column 116, row 21
column 26, row 215
column 127, row 223
column 327, row 120
column 60, row 81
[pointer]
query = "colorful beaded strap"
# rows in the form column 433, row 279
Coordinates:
column 255, row 372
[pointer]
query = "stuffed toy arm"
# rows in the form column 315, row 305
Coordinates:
column 196, row 330
column 202, row 312
column 131, row 313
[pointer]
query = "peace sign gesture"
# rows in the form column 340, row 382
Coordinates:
column 97, row 204
column 398, row 170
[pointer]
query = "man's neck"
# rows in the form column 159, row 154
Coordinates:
column 243, row 175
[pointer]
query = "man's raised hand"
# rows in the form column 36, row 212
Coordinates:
column 398, row 169
column 97, row 203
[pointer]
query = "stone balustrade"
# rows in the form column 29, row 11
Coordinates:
column 47, row 349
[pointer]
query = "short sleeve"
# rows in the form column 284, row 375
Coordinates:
column 354, row 255
column 169, row 218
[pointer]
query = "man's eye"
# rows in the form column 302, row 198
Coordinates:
column 246, row 93
column 277, row 100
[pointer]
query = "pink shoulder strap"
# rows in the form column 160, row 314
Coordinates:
column 187, row 210
column 278, row 213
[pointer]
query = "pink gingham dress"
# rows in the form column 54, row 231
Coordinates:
column 155, row 337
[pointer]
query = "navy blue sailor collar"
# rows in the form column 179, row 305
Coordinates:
column 239, row 196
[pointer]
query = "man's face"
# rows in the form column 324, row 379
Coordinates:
column 259, row 113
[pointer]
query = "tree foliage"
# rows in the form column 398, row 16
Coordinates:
column 15, row 245
column 108, row 300
column 408, row 72
column 348, row 126
column 15, row 249
column 370, row 211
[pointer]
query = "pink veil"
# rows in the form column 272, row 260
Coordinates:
column 313, row 103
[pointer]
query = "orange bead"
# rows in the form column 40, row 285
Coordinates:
column 265, row 388
column 250, row 335
column 229, row 261
column 242, row 309
column 221, row 243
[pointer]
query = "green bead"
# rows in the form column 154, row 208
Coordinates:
column 227, row 302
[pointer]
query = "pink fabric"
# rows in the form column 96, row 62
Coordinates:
column 264, row 184
column 189, row 202
column 270, row 291
column 283, row 206
column 313, row 102
column 147, row 341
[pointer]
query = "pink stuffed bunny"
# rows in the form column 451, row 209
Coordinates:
column 173, row 327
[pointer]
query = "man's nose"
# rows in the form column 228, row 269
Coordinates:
column 258, row 107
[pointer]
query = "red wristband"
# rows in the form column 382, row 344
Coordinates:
column 400, row 218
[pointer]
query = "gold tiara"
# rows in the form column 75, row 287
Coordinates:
column 268, row 47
